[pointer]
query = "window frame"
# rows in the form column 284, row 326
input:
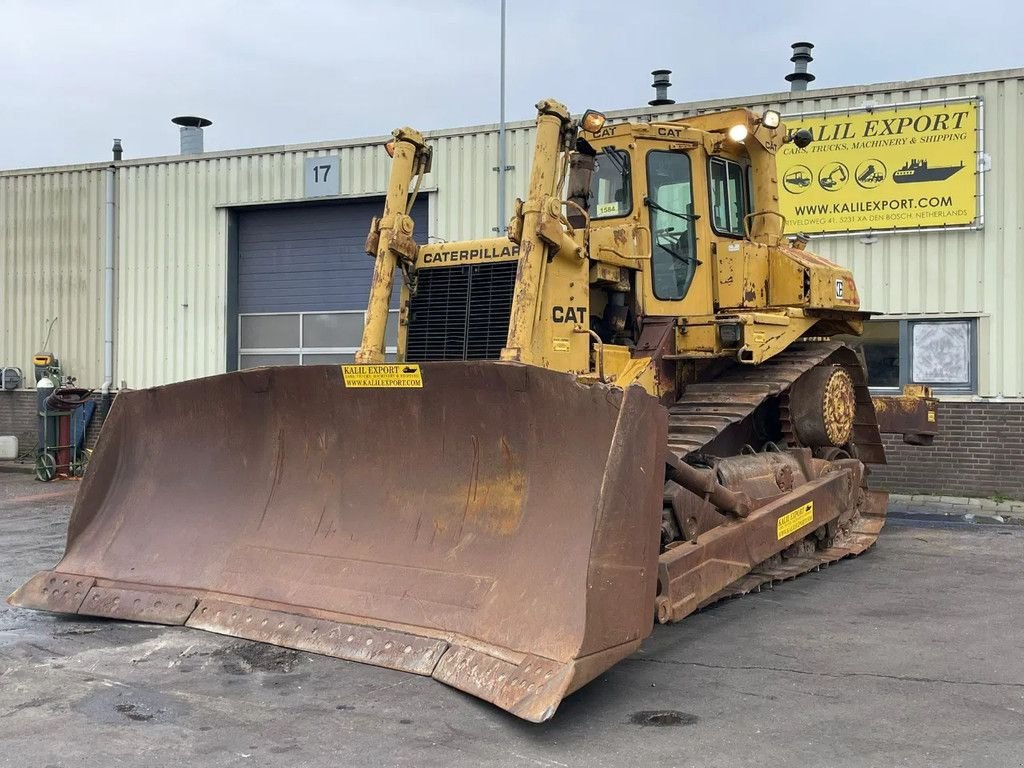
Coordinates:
column 629, row 184
column 906, row 355
column 745, row 179
column 650, row 219
column 301, row 350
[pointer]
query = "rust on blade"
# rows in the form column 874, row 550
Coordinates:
column 531, row 689
column 53, row 591
column 370, row 645
column 138, row 605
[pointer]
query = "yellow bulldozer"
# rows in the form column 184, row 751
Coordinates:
column 628, row 408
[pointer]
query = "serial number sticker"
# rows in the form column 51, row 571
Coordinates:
column 380, row 376
column 791, row 522
column 931, row 416
column 560, row 344
column 607, row 209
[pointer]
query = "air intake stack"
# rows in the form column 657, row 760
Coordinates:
column 191, row 128
column 800, row 77
column 660, row 86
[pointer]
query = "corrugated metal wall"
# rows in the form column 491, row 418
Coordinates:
column 172, row 250
column 51, row 265
column 173, row 220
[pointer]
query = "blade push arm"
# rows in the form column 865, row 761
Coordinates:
column 390, row 240
column 539, row 228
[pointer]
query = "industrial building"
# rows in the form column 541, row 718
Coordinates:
column 169, row 268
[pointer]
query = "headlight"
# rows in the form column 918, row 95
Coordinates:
column 738, row 132
column 592, row 121
column 771, row 119
column 730, row 334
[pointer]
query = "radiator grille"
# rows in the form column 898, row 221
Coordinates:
column 460, row 313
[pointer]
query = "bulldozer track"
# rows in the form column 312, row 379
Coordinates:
column 863, row 532
column 707, row 409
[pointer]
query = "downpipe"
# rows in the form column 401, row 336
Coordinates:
column 109, row 236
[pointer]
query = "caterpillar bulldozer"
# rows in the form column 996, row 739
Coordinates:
column 630, row 407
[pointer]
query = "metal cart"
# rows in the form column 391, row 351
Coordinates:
column 59, row 453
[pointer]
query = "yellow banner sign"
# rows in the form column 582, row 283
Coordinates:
column 375, row 376
column 900, row 168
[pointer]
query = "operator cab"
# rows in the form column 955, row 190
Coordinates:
column 659, row 204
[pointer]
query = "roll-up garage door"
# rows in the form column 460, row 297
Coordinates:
column 303, row 281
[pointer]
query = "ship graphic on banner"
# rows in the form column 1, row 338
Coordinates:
column 916, row 171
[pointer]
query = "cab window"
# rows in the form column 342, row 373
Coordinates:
column 611, row 193
column 730, row 199
column 673, row 241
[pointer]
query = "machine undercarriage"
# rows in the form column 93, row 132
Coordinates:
column 737, row 439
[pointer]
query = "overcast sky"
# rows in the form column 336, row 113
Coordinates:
column 74, row 74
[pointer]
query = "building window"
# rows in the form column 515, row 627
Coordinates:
column 941, row 353
column 879, row 349
column 729, row 197
column 306, row 338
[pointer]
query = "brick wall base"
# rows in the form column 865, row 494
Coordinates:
column 18, row 417
column 978, row 452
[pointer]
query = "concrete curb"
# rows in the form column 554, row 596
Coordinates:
column 989, row 505
column 968, row 509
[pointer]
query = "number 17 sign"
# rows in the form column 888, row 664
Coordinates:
column 322, row 176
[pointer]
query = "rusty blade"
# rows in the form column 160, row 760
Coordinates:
column 52, row 591
column 499, row 508
column 381, row 647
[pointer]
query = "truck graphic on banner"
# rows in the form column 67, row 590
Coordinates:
column 906, row 167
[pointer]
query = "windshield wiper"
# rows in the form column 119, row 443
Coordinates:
column 613, row 156
column 684, row 216
column 683, row 257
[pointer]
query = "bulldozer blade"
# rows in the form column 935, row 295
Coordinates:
column 496, row 527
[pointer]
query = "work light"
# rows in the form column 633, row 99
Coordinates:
column 738, row 132
column 730, row 334
column 771, row 119
column 592, row 121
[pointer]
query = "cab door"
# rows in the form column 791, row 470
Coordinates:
column 678, row 281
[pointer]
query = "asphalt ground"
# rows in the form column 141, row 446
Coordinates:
column 910, row 655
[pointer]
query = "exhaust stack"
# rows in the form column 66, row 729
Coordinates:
column 191, row 129
column 800, row 77
column 661, row 85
